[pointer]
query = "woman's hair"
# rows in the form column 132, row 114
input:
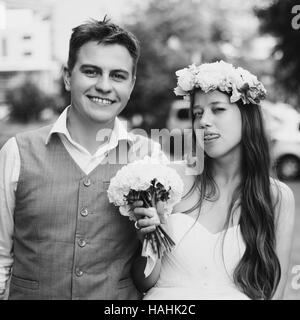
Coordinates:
column 258, row 272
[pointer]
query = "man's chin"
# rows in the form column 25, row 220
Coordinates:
column 104, row 120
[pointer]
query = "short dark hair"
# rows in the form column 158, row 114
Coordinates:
column 105, row 33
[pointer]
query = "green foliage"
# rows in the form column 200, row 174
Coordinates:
column 172, row 34
column 27, row 102
column 277, row 20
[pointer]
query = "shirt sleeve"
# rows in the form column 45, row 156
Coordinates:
column 9, row 175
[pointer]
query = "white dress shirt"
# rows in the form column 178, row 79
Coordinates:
column 10, row 170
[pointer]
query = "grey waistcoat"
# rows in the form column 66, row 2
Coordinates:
column 69, row 241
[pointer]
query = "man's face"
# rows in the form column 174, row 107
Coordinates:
column 101, row 81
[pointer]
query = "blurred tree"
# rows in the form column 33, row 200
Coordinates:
column 173, row 34
column 27, row 101
column 64, row 96
column 276, row 19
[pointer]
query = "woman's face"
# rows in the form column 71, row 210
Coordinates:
column 221, row 121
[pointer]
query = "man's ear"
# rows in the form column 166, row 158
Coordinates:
column 67, row 78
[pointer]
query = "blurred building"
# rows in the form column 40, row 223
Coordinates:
column 34, row 37
column 25, row 44
column 67, row 14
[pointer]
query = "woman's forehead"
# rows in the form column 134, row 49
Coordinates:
column 211, row 97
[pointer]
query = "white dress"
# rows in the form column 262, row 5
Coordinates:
column 196, row 269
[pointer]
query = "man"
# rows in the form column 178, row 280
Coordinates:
column 57, row 229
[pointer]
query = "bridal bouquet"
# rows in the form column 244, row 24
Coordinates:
column 148, row 181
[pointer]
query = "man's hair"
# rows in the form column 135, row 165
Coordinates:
column 105, row 33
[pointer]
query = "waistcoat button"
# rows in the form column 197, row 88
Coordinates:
column 87, row 182
column 78, row 272
column 81, row 243
column 84, row 212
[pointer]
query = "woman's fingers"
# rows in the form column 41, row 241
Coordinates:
column 144, row 212
column 146, row 230
column 148, row 222
column 138, row 203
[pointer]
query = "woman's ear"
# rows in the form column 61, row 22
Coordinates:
column 67, row 78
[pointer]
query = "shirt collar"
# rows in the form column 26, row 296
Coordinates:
column 119, row 131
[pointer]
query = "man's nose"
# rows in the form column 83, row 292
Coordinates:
column 104, row 84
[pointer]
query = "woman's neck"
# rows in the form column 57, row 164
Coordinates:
column 227, row 169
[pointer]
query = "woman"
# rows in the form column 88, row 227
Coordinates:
column 233, row 228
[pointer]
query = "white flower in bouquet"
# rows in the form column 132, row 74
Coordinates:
column 149, row 181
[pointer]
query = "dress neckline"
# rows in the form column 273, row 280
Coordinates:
column 205, row 228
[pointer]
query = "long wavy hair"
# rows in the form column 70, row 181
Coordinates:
column 258, row 272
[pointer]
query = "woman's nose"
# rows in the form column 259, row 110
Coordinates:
column 206, row 120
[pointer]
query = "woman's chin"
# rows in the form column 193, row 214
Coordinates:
column 214, row 154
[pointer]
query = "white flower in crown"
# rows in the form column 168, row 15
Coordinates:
column 237, row 82
column 186, row 79
column 248, row 77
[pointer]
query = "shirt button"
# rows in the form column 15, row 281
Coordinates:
column 87, row 182
column 78, row 272
column 81, row 243
column 84, row 212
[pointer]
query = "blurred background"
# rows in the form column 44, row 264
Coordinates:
column 262, row 36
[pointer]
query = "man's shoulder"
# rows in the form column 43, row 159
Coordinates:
column 40, row 132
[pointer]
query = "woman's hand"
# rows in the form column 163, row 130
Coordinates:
column 147, row 218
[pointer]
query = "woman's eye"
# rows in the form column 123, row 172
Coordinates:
column 198, row 115
column 216, row 110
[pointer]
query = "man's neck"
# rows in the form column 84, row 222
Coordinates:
column 89, row 134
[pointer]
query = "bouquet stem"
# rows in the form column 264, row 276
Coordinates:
column 159, row 239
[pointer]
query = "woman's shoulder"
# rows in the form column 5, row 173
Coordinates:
column 280, row 189
column 182, row 169
column 284, row 201
column 190, row 194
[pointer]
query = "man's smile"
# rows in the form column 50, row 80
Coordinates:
column 100, row 100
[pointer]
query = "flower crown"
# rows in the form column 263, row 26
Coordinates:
column 240, row 83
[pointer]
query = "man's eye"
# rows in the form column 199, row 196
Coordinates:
column 90, row 72
column 118, row 76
